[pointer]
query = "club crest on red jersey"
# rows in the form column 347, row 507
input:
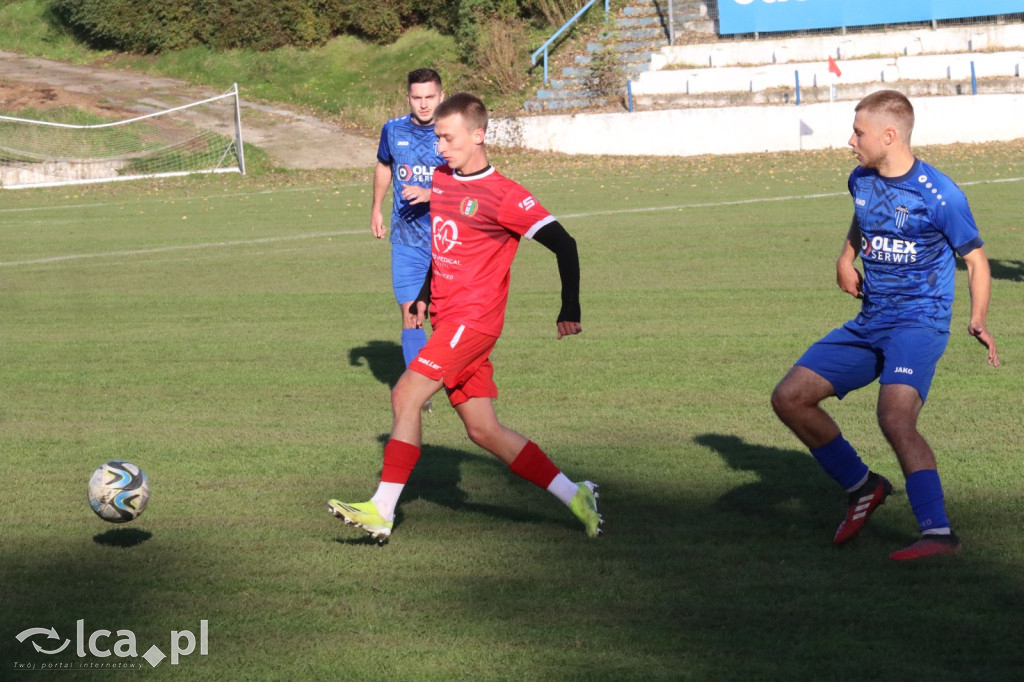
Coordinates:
column 468, row 206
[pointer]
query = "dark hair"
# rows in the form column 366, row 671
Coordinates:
column 424, row 76
column 470, row 107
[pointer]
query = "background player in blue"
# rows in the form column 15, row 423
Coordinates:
column 909, row 220
column 406, row 157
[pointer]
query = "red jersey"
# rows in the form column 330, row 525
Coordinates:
column 476, row 224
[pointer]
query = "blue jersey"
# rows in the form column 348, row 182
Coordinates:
column 411, row 151
column 910, row 227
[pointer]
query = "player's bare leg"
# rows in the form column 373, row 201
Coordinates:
column 898, row 408
column 484, row 429
column 525, row 459
column 796, row 400
column 407, row 398
column 401, row 453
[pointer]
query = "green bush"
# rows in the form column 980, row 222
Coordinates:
column 160, row 25
column 145, row 26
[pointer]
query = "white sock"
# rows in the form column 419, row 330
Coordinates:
column 386, row 498
column 562, row 488
column 938, row 531
column 859, row 483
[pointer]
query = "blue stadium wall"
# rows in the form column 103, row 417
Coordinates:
column 766, row 16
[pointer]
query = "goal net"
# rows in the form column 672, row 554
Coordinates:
column 200, row 137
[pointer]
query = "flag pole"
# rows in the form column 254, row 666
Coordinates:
column 834, row 74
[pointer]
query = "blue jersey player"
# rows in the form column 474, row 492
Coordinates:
column 909, row 223
column 406, row 158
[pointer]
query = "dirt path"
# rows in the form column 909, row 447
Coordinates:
column 292, row 140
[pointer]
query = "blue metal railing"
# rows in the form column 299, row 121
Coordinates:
column 543, row 49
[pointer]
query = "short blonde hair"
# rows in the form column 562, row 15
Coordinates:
column 892, row 104
column 470, row 107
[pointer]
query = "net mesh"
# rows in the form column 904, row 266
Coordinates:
column 194, row 138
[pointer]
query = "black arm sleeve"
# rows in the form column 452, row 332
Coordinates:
column 555, row 238
column 424, row 294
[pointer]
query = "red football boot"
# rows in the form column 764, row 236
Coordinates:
column 929, row 545
column 862, row 502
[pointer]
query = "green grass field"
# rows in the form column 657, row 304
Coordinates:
column 237, row 338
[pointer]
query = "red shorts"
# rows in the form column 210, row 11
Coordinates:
column 459, row 357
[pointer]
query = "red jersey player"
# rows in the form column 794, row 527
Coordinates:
column 478, row 218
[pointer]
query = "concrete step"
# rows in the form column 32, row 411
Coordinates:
column 872, row 70
column 652, row 21
column 639, row 57
column 634, row 69
column 575, row 72
column 658, row 20
column 549, row 94
column 636, row 34
column 566, row 83
column 536, row 106
column 810, row 95
column 631, row 46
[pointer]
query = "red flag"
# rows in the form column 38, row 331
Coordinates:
column 833, row 67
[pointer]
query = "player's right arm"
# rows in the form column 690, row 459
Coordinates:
column 381, row 182
column 848, row 277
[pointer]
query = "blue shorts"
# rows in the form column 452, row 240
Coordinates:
column 409, row 266
column 854, row 355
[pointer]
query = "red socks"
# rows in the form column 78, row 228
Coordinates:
column 532, row 464
column 399, row 460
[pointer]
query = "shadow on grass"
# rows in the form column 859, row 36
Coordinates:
column 437, row 476
column 744, row 583
column 122, row 537
column 384, row 358
column 790, row 488
column 1009, row 270
column 438, row 479
column 730, row 576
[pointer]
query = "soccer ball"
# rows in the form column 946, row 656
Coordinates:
column 118, row 491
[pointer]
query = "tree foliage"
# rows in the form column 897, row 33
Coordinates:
column 157, row 25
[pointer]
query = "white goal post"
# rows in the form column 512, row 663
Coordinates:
column 200, row 137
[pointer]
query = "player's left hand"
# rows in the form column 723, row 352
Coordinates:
column 415, row 194
column 985, row 338
column 569, row 328
column 414, row 315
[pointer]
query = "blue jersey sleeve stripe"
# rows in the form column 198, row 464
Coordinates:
column 965, row 249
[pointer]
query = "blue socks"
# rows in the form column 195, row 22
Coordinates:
column 412, row 341
column 842, row 463
column 924, row 490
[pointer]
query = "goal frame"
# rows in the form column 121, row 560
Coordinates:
column 234, row 168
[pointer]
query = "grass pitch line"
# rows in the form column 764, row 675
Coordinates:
column 710, row 204
column 741, row 202
column 164, row 200
column 318, row 235
column 181, row 247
